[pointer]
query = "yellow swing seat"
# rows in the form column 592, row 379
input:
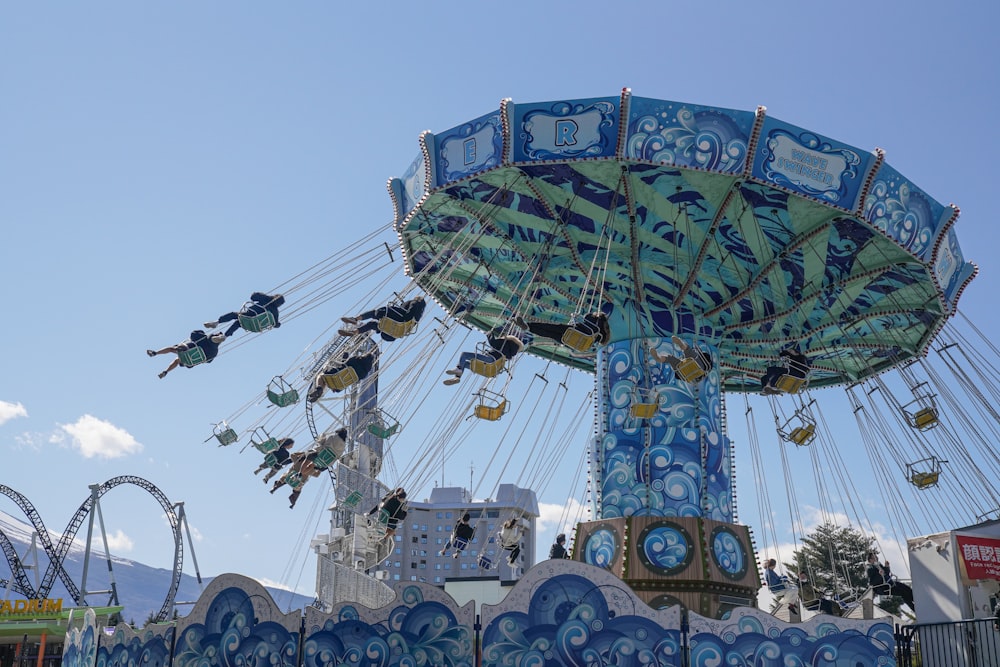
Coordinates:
column 491, row 412
column 924, row 419
column 790, row 384
column 487, row 369
column 492, row 406
column 577, row 340
column 391, row 327
column 643, row 410
column 924, row 480
column 257, row 323
column 689, row 370
column 645, row 403
column 342, row 379
column 192, row 356
column 802, row 435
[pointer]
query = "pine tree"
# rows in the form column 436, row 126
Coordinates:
column 833, row 560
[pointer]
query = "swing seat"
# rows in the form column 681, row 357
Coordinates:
column 353, row 498
column 924, row 419
column 460, row 543
column 487, row 370
column 294, row 480
column 644, row 410
column 192, row 356
column 342, row 379
column 577, row 340
column 382, row 430
column 925, row 480
column 485, row 562
column 802, row 435
column 266, row 446
column 324, row 458
column 689, row 370
column 257, row 323
column 391, row 327
column 283, row 399
column 225, row 435
column 491, row 412
column 790, row 384
column 271, row 460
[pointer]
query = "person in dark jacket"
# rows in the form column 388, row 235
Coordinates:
column 883, row 583
column 408, row 311
column 558, row 549
column 208, row 343
column 259, row 304
column 460, row 536
column 277, row 459
column 592, row 324
column 796, row 365
column 500, row 347
column 362, row 365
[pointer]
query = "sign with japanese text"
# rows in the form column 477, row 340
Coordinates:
column 980, row 556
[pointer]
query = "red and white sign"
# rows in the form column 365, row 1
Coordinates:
column 980, row 556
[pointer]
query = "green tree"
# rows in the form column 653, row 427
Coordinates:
column 833, row 560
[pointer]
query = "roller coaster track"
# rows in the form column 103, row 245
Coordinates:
column 57, row 552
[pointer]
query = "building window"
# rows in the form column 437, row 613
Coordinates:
column 447, row 515
column 413, row 577
column 399, row 551
column 465, row 566
column 395, row 577
column 413, row 565
column 414, row 539
column 437, row 580
column 440, row 515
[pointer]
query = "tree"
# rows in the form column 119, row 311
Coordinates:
column 833, row 561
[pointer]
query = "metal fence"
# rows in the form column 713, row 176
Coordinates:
column 974, row 643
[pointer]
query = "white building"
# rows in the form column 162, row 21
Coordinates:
column 428, row 525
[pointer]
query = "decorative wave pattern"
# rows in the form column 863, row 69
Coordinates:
column 653, row 465
column 236, row 623
column 415, row 633
column 688, row 135
column 149, row 647
column 561, row 612
column 568, row 613
column 80, row 647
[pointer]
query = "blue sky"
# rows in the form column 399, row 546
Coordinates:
column 160, row 161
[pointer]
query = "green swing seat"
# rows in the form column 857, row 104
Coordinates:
column 224, row 434
column 192, row 356
column 281, row 393
column 266, row 446
column 353, row 498
column 257, row 323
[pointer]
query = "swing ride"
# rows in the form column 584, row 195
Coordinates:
column 744, row 236
column 727, row 253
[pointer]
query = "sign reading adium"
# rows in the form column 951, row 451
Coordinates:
column 39, row 608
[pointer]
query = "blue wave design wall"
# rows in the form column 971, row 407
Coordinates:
column 559, row 613
column 676, row 462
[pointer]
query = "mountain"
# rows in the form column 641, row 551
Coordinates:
column 141, row 588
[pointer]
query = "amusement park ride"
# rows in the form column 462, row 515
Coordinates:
column 724, row 253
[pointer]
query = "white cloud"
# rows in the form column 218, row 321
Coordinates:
column 96, row 437
column 119, row 542
column 10, row 411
